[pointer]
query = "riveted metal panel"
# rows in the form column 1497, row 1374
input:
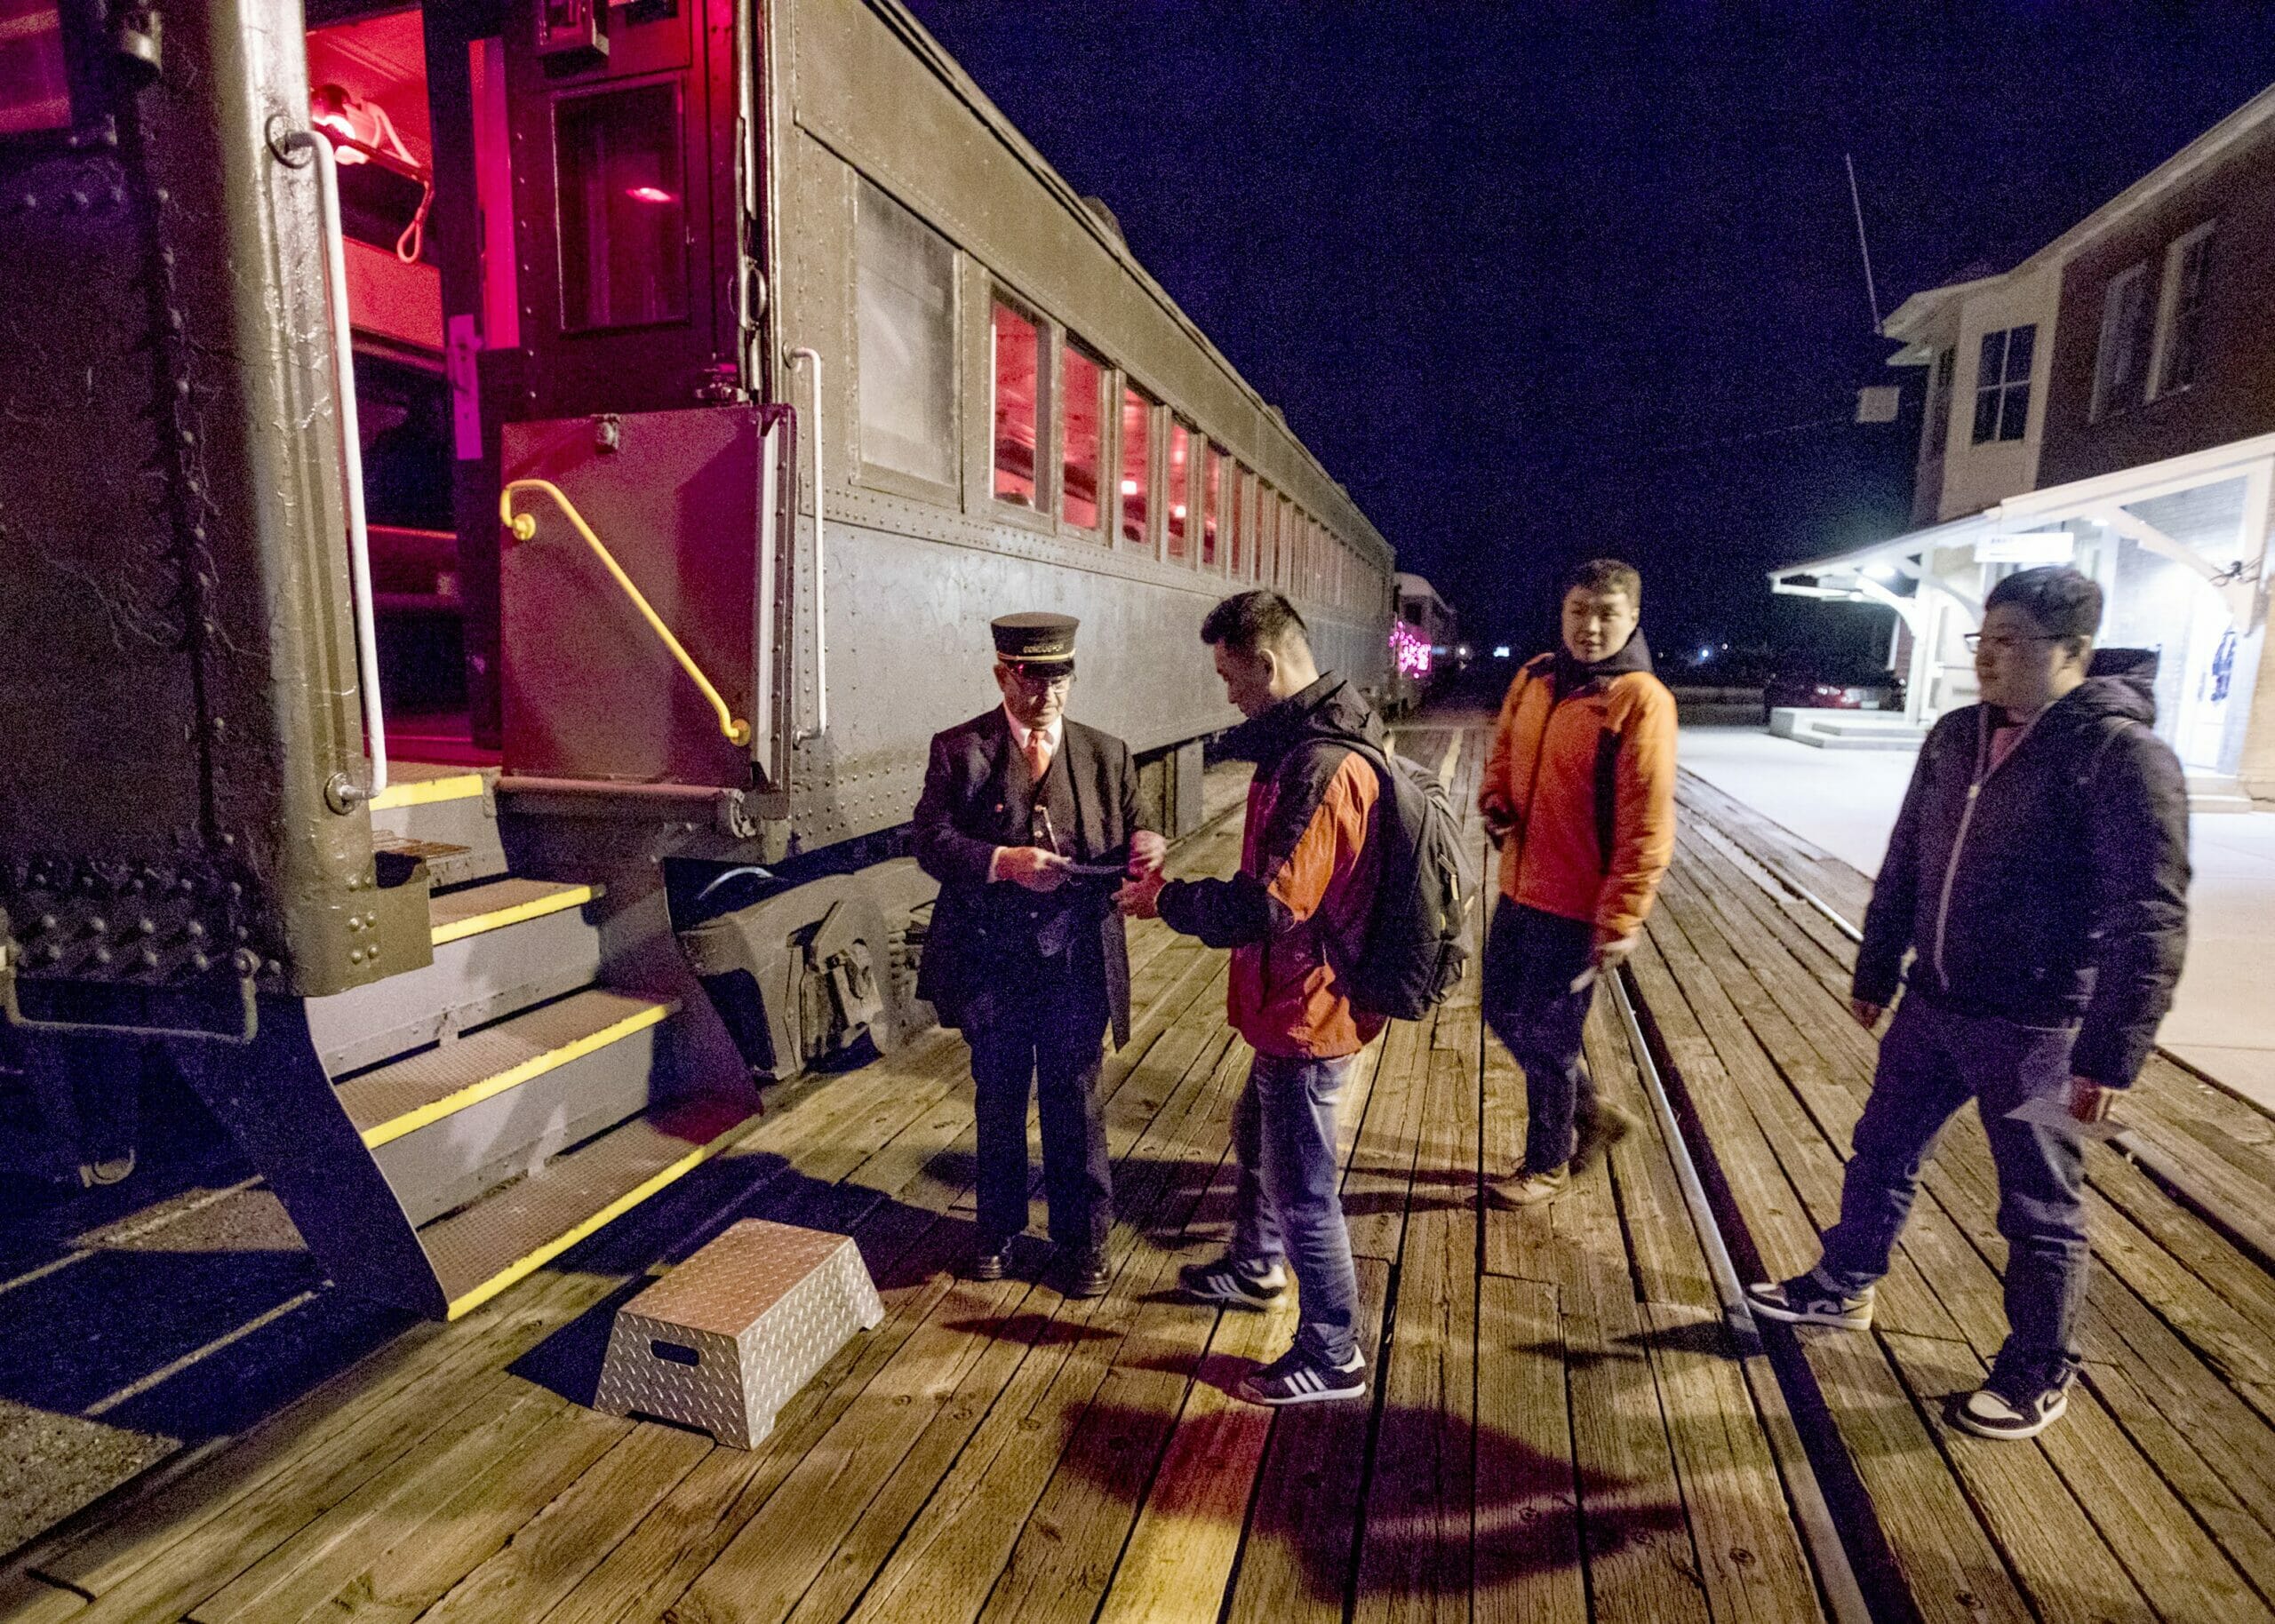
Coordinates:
column 172, row 565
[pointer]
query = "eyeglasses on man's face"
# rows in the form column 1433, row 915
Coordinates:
column 1056, row 680
column 2005, row 642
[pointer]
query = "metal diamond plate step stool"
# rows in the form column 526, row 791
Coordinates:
column 724, row 1340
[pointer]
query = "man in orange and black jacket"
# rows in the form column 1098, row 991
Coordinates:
column 1297, row 907
column 1579, row 793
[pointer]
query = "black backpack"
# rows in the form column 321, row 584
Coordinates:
column 1417, row 928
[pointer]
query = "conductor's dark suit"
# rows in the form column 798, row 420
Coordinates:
column 1033, row 978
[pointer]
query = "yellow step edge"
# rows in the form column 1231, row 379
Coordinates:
column 513, row 1077
column 468, row 1301
column 420, row 793
column 498, row 918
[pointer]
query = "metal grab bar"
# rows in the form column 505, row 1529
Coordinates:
column 821, row 564
column 351, row 446
column 524, row 525
column 12, row 1012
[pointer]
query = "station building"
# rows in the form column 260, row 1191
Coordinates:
column 2107, row 403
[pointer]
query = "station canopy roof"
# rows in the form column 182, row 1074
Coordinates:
column 2207, row 510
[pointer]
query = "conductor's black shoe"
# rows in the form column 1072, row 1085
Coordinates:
column 1598, row 1134
column 986, row 1261
column 1086, row 1274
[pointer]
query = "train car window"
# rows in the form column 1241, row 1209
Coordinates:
column 34, row 90
column 1018, row 365
column 1267, row 535
column 1180, row 486
column 623, row 210
column 906, row 294
column 1136, row 467
column 1082, row 432
column 1212, row 485
column 1236, row 522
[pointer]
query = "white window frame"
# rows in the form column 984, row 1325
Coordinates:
column 2112, row 332
column 2169, row 311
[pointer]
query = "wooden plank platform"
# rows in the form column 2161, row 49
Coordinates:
column 2154, row 1498
column 1560, row 1428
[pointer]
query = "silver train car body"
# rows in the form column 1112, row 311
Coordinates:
column 763, row 338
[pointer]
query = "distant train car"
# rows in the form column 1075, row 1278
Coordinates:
column 493, row 504
column 1425, row 644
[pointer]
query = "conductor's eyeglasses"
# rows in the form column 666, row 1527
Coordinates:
column 1039, row 679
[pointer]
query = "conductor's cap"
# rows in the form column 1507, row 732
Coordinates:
column 1036, row 638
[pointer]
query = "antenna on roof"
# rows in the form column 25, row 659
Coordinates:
column 1870, row 293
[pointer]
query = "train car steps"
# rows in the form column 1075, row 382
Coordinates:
column 447, row 817
column 501, row 947
column 449, row 1123
column 478, row 1253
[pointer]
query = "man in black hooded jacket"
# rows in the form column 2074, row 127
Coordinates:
column 2038, row 875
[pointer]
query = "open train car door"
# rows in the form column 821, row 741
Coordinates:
column 633, row 400
column 636, row 212
column 182, row 750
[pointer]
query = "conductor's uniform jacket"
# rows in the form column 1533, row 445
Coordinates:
column 1034, row 979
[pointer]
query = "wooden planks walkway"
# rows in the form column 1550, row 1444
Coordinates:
column 1559, row 1431
column 2155, row 1497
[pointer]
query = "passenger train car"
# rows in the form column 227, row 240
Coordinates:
column 492, row 504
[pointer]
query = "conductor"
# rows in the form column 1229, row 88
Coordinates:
column 1025, row 952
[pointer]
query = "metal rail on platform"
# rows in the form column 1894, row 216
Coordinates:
column 1844, row 1597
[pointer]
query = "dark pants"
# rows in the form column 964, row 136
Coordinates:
column 1931, row 1062
column 1289, row 1201
column 1532, row 962
column 1048, row 1039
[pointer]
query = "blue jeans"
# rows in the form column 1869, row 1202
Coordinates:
column 1531, row 960
column 1288, row 1204
column 1931, row 1062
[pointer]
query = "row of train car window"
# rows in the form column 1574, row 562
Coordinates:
column 1117, row 447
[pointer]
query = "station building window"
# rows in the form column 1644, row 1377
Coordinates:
column 905, row 278
column 2180, row 336
column 1136, row 467
column 1017, row 347
column 35, row 92
column 1082, row 434
column 2002, row 384
column 2121, row 358
column 1180, row 486
column 623, row 210
column 1212, row 485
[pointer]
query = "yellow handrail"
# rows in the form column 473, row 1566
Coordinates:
column 524, row 526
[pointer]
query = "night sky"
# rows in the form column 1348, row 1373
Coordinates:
column 1522, row 275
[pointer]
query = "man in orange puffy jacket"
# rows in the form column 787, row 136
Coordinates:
column 1579, row 794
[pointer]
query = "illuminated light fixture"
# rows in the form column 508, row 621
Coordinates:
column 649, row 194
column 1129, row 488
column 1500, row 651
column 361, row 131
column 1177, row 508
column 1408, row 652
column 1879, row 572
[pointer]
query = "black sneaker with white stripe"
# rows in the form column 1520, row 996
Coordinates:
column 1299, row 1376
column 2005, row 1409
column 1806, row 1301
column 1229, row 1281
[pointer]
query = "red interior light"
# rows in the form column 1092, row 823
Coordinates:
column 647, row 194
